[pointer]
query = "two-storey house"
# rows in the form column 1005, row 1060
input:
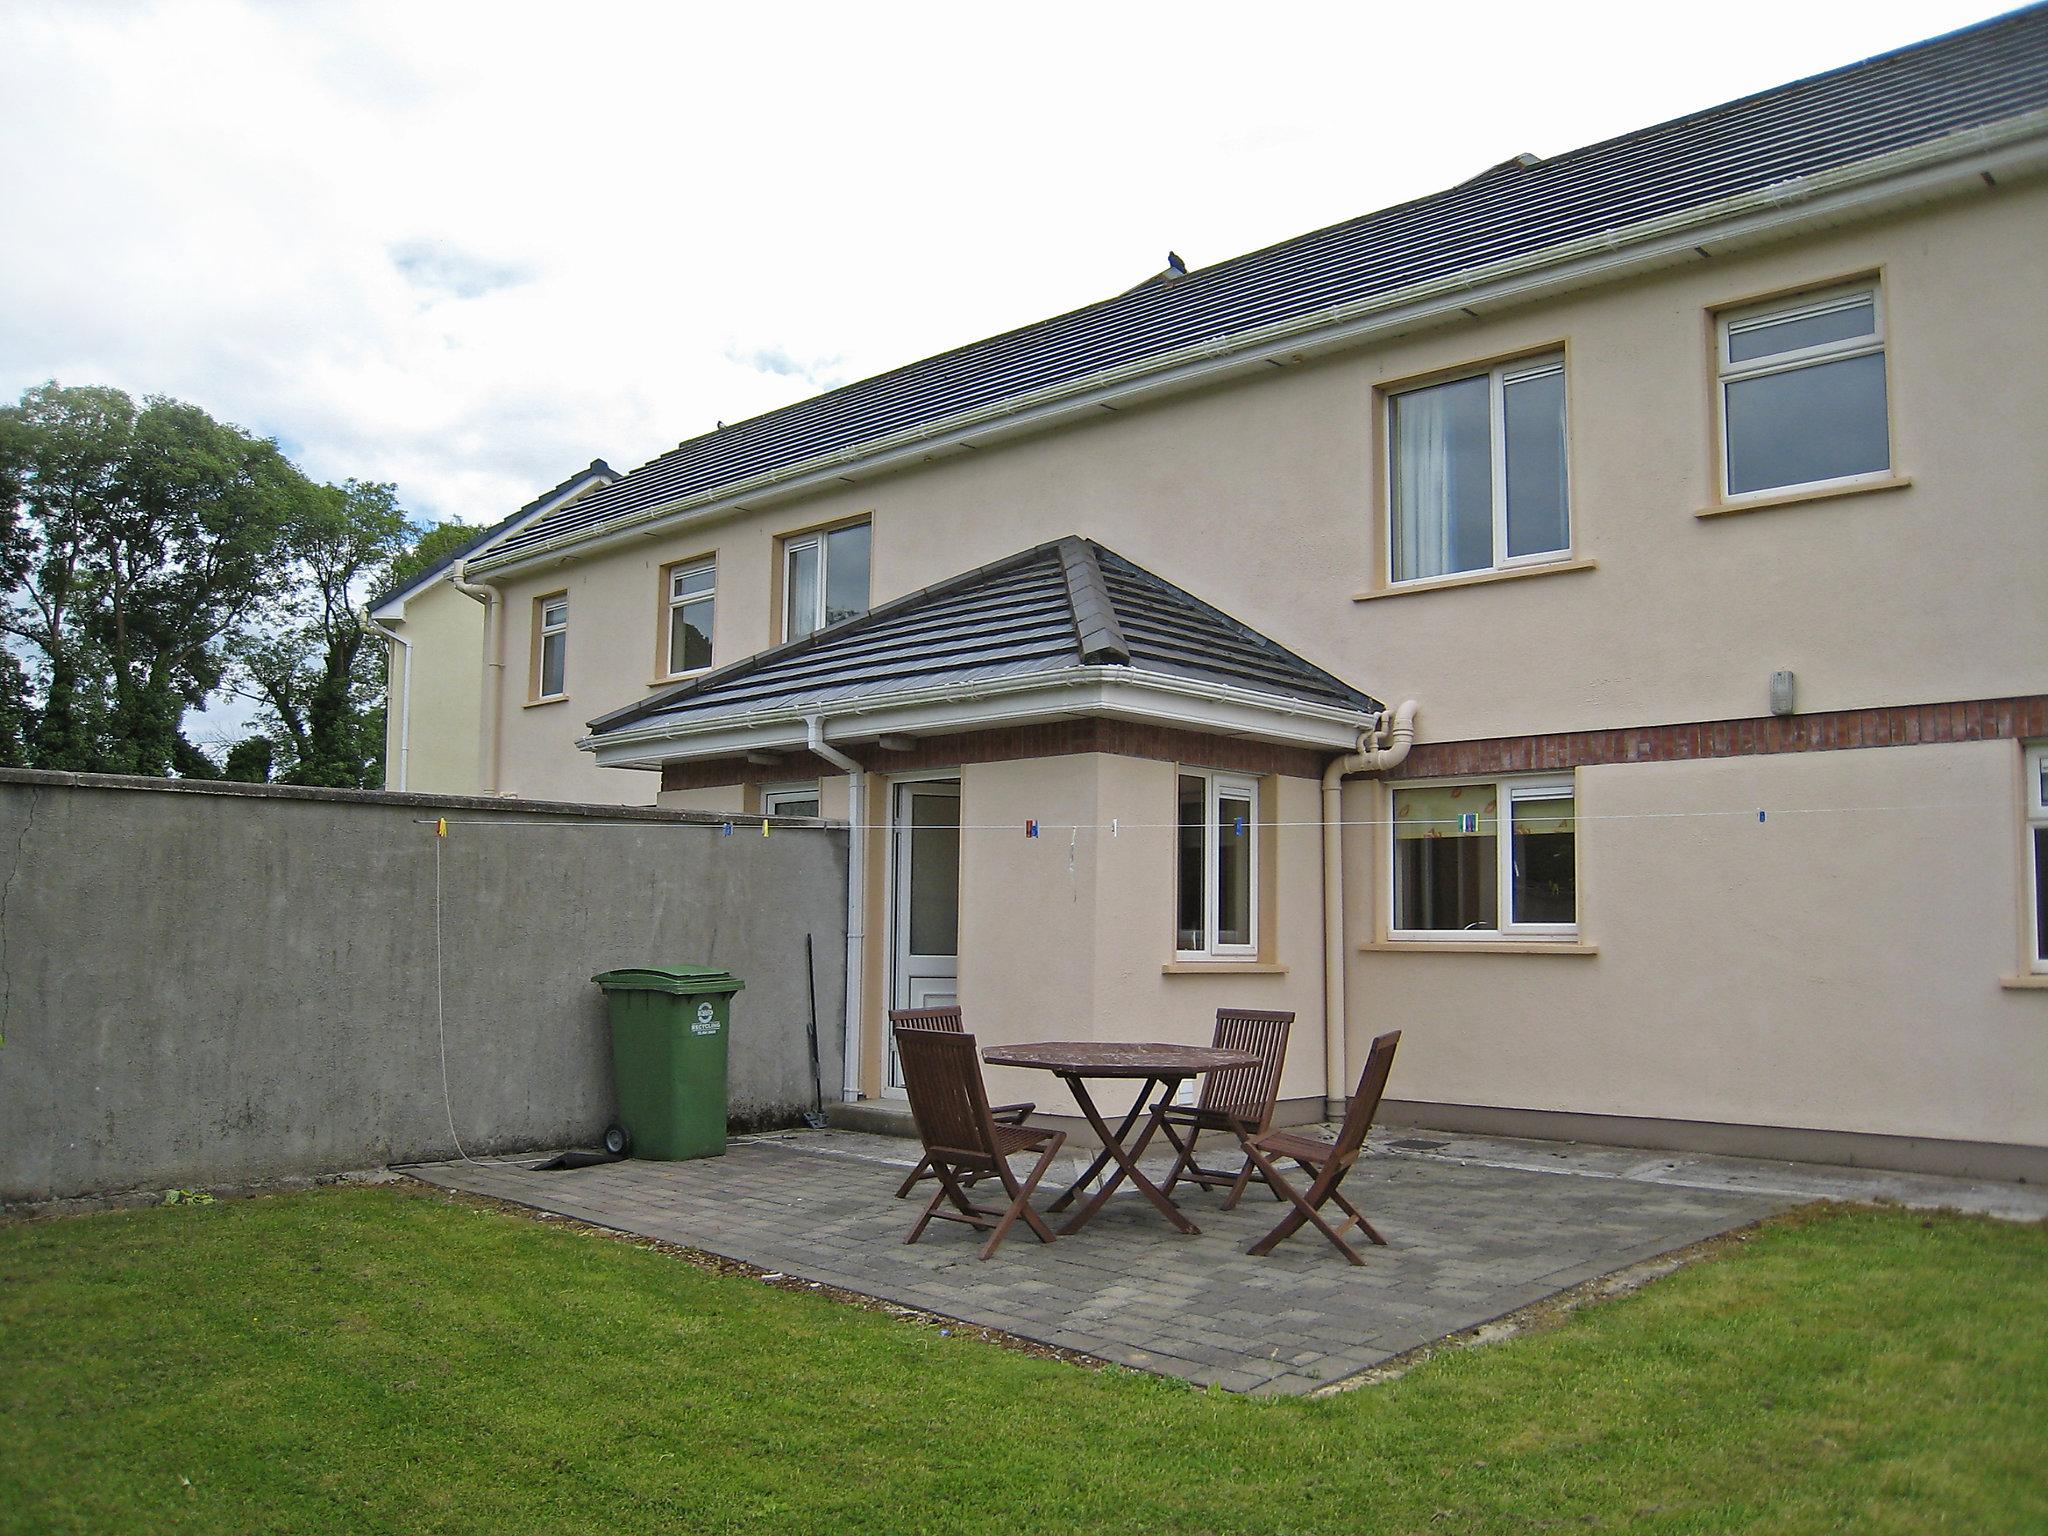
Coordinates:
column 1594, row 619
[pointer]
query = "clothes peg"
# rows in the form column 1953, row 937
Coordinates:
column 764, row 826
column 725, row 829
column 440, row 826
column 1031, row 829
column 1240, row 826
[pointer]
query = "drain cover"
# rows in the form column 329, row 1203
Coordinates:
column 1416, row 1145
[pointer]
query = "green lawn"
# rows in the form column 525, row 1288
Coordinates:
column 381, row 1358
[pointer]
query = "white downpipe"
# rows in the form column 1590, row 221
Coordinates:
column 1388, row 749
column 404, row 696
column 856, row 891
column 494, row 668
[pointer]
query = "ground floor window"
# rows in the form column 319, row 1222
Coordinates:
column 789, row 799
column 2037, row 853
column 1216, row 865
column 1456, row 874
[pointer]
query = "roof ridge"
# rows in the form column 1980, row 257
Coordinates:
column 1094, row 613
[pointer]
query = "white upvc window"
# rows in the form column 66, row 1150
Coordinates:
column 824, row 578
column 1476, row 472
column 692, row 601
column 551, row 647
column 1803, row 393
column 789, row 799
column 2037, row 857
column 1216, row 881
column 1456, row 877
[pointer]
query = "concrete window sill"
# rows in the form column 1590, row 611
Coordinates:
column 2025, row 983
column 1477, row 947
column 1223, row 968
column 554, row 698
column 1474, row 579
column 1764, row 502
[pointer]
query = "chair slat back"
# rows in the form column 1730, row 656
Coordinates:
column 942, row 1075
column 1251, row 1090
column 1365, row 1103
column 928, row 1018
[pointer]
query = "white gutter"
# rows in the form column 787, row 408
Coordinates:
column 1917, row 174
column 494, row 669
column 1388, row 751
column 1115, row 691
column 856, row 904
column 404, row 696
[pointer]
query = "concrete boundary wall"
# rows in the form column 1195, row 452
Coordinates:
column 206, row 983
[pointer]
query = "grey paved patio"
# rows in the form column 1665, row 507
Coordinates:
column 1467, row 1242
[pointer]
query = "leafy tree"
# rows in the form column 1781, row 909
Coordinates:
column 429, row 549
column 312, row 663
column 135, row 542
column 249, row 761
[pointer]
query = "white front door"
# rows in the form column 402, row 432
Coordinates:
column 925, row 904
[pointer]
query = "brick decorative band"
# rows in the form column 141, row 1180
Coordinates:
column 1902, row 725
column 1062, row 738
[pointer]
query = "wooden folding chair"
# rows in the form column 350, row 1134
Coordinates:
column 948, row 1021
column 962, row 1141
column 1326, row 1162
column 1236, row 1100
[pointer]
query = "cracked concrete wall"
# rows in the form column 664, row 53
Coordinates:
column 205, row 984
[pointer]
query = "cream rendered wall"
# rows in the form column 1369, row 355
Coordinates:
column 446, row 631
column 1834, row 967
column 1261, row 497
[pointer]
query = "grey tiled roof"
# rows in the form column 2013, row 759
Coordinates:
column 1965, row 80
column 1061, row 605
column 597, row 469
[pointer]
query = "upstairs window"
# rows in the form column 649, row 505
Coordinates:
column 1803, row 394
column 692, row 599
column 551, row 646
column 1476, row 472
column 1217, row 861
column 824, row 578
column 1455, row 875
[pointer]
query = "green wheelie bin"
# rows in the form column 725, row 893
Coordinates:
column 669, row 1027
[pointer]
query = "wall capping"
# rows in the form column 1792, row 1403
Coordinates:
column 1896, row 725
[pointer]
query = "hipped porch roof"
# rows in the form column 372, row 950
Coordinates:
column 1065, row 628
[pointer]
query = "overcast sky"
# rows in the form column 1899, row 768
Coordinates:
column 467, row 247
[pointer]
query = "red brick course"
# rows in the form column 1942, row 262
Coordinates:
column 1831, row 731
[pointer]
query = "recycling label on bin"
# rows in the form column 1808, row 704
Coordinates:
column 706, row 1022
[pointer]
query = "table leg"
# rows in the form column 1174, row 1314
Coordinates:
column 1127, row 1161
column 1080, row 1092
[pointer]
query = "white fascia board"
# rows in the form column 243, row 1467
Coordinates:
column 1153, row 698
column 1943, row 167
column 581, row 486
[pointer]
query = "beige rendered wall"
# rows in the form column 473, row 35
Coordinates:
column 1263, row 498
column 446, row 631
column 1834, row 967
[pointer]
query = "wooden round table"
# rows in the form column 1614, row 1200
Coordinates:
column 1159, row 1065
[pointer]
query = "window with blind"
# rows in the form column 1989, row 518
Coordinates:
column 1458, row 873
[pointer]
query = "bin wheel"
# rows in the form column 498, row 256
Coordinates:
column 617, row 1140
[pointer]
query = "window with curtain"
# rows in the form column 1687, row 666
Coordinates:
column 1476, row 472
column 824, row 578
column 1803, row 393
column 2037, row 853
column 1454, row 873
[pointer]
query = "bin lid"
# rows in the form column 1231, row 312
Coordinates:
column 681, row 980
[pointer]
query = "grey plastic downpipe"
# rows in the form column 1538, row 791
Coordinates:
column 856, row 904
column 1384, row 747
column 494, row 667
column 404, row 696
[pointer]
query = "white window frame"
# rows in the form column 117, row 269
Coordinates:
column 2036, row 761
column 1729, row 371
column 1508, row 791
column 1218, row 787
column 551, row 616
column 773, row 795
column 819, row 539
column 677, row 600
column 1497, row 379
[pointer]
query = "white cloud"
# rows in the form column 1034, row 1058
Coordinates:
column 470, row 246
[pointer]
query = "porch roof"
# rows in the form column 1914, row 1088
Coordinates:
column 1062, row 629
